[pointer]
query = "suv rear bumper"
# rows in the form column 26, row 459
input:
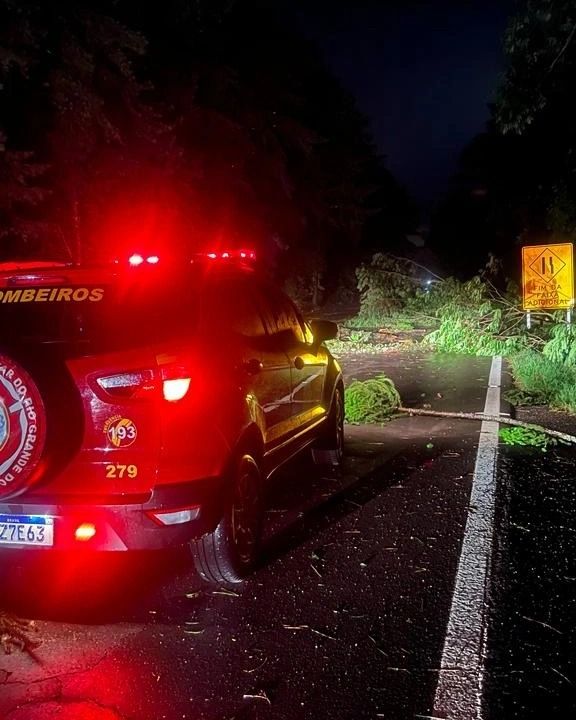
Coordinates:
column 127, row 525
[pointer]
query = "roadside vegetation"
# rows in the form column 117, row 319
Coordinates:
column 471, row 317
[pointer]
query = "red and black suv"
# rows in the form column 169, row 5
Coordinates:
column 143, row 406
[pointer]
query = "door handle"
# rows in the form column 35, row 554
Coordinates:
column 253, row 366
column 299, row 363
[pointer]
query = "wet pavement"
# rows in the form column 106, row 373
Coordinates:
column 531, row 668
column 346, row 617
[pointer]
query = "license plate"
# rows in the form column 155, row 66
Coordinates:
column 26, row 530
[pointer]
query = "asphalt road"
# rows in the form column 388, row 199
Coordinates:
column 346, row 617
column 531, row 665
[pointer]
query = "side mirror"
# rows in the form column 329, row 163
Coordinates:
column 323, row 330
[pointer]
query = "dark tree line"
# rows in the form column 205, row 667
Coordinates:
column 135, row 124
column 517, row 181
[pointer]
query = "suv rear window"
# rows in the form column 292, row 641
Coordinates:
column 96, row 317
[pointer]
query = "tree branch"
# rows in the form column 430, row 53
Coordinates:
column 490, row 418
column 563, row 49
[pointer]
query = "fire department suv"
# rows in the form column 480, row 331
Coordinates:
column 142, row 406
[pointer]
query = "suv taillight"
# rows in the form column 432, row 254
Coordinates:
column 128, row 385
column 175, row 380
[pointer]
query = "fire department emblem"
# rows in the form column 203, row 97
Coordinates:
column 22, row 426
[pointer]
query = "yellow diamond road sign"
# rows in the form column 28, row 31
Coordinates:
column 547, row 277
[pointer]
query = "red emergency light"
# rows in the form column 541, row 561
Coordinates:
column 231, row 255
column 137, row 259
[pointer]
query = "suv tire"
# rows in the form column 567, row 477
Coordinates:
column 229, row 552
column 329, row 447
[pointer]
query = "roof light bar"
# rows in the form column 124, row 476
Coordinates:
column 135, row 260
column 231, row 255
column 138, row 259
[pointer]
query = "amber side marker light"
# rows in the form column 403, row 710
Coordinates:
column 85, row 532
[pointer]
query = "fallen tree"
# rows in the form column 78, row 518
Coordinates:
column 565, row 437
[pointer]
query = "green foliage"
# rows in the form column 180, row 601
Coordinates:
column 561, row 348
column 360, row 336
column 531, row 103
column 540, row 54
column 386, row 284
column 465, row 335
column 543, row 381
column 562, row 210
column 21, row 192
column 392, row 288
column 371, row 401
column 470, row 317
column 474, row 320
column 526, row 437
column 396, row 293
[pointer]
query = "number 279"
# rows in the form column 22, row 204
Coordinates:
column 119, row 471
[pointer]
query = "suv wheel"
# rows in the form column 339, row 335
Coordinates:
column 329, row 447
column 227, row 554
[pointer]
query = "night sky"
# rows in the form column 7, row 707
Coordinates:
column 423, row 72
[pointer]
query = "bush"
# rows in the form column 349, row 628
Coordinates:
column 371, row 401
column 543, row 381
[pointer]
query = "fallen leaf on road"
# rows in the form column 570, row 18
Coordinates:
column 257, row 667
column 295, row 627
column 260, row 695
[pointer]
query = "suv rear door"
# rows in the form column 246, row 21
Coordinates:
column 307, row 368
column 235, row 311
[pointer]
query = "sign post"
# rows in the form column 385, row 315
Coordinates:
column 547, row 279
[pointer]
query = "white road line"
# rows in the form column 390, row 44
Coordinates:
column 459, row 689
